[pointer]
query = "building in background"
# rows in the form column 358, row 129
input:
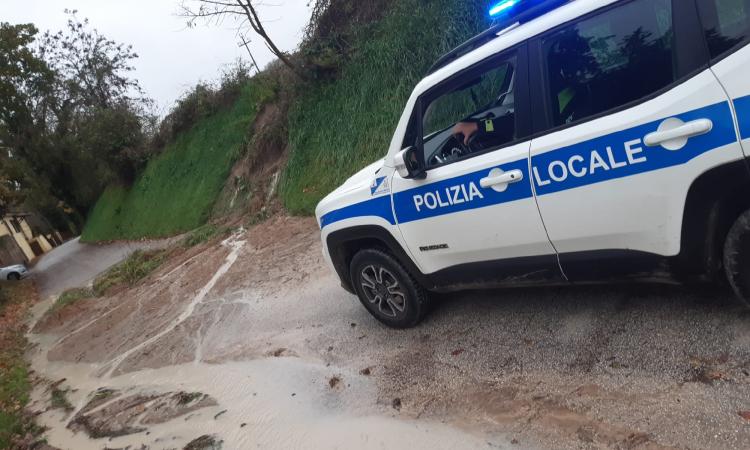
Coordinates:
column 24, row 237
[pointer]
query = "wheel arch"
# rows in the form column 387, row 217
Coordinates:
column 344, row 244
column 714, row 202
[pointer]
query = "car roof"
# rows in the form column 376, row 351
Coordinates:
column 513, row 36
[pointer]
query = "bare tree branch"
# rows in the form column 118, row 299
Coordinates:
column 246, row 10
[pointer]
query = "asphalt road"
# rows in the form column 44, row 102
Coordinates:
column 75, row 264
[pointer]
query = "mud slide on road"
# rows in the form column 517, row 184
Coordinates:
column 222, row 343
column 252, row 342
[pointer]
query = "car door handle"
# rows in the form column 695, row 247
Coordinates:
column 675, row 130
column 499, row 178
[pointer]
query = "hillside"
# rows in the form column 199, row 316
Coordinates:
column 177, row 190
column 341, row 126
column 316, row 133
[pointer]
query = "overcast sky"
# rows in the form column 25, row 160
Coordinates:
column 172, row 57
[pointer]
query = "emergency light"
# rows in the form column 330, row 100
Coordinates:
column 503, row 6
column 504, row 14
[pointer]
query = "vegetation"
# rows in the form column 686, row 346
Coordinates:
column 129, row 272
column 69, row 125
column 136, row 267
column 359, row 64
column 15, row 387
column 71, row 296
column 203, row 234
column 178, row 188
column 338, row 127
column 59, row 399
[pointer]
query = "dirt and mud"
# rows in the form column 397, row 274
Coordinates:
column 286, row 359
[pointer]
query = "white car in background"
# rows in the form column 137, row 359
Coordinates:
column 15, row 272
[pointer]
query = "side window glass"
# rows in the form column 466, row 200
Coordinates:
column 725, row 22
column 609, row 60
column 482, row 106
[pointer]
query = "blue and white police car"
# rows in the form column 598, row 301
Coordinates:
column 576, row 141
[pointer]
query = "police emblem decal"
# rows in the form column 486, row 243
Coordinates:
column 380, row 186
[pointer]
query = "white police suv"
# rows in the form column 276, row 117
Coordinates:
column 576, row 141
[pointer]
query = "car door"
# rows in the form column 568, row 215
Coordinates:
column 472, row 218
column 632, row 116
column 726, row 24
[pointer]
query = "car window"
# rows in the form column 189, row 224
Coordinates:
column 484, row 98
column 610, row 59
column 725, row 22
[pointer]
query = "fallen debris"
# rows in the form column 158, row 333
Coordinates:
column 204, row 442
column 109, row 414
column 59, row 400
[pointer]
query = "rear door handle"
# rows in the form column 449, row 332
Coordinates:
column 674, row 133
column 499, row 180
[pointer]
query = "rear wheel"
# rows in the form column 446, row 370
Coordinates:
column 737, row 257
column 14, row 276
column 388, row 291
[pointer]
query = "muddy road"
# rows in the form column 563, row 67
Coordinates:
column 251, row 342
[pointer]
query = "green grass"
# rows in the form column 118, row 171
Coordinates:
column 136, row 267
column 15, row 386
column 203, row 234
column 71, row 296
column 339, row 127
column 178, row 188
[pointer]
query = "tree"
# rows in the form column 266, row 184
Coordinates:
column 24, row 77
column 72, row 120
column 245, row 13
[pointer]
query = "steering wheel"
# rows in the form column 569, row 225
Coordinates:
column 451, row 149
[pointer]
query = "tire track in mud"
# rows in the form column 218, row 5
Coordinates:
column 235, row 244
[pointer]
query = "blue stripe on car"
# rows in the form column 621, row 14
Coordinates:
column 657, row 158
column 377, row 207
column 742, row 106
column 406, row 208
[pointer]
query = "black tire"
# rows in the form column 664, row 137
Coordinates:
column 737, row 257
column 14, row 276
column 402, row 305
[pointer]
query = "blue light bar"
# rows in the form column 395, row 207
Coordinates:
column 502, row 6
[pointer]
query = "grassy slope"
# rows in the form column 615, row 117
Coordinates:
column 338, row 128
column 178, row 189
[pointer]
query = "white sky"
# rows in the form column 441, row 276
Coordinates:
column 171, row 57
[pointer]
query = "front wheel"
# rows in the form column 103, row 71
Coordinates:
column 387, row 289
column 14, row 277
column 737, row 257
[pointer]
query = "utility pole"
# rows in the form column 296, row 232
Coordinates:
column 245, row 43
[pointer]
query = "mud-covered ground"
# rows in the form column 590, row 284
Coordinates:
column 257, row 328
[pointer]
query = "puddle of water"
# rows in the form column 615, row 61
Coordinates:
column 283, row 402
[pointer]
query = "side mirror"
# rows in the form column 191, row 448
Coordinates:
column 407, row 164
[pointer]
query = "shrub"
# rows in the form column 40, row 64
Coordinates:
column 71, row 296
column 138, row 265
column 203, row 234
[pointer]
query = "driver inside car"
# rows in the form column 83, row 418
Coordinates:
column 490, row 131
